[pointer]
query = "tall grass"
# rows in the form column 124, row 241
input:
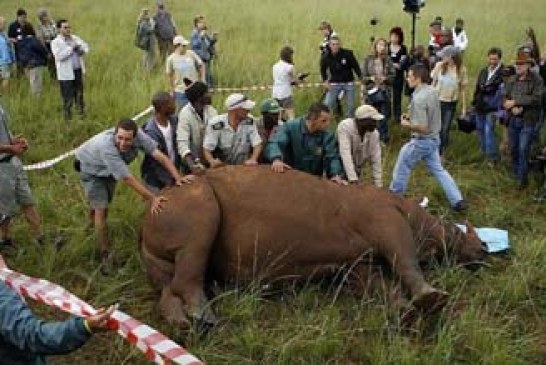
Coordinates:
column 494, row 316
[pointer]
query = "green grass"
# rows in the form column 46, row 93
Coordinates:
column 495, row 316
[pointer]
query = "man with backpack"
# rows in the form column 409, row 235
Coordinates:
column 165, row 30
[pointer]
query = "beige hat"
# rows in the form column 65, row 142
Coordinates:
column 367, row 112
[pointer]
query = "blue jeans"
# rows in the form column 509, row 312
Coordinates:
column 181, row 100
column 333, row 93
column 208, row 70
column 425, row 150
column 485, row 128
column 520, row 135
column 447, row 110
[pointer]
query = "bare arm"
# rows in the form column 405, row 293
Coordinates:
column 137, row 185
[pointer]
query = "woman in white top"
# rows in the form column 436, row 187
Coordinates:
column 449, row 77
column 284, row 76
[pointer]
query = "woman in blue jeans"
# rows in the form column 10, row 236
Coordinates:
column 449, row 77
column 378, row 74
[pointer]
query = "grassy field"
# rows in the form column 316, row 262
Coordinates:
column 495, row 316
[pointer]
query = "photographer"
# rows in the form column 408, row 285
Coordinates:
column 487, row 102
column 203, row 45
column 523, row 100
column 68, row 51
column 378, row 73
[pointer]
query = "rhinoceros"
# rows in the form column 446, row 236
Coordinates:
column 242, row 223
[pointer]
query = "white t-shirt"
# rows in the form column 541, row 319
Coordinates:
column 168, row 135
column 282, row 80
column 183, row 66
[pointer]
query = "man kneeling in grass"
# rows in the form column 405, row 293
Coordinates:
column 103, row 160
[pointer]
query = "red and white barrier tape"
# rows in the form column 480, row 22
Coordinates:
column 49, row 163
column 153, row 344
column 304, row 85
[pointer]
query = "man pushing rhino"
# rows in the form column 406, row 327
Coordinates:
column 103, row 160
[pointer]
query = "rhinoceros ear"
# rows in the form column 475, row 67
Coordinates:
column 470, row 228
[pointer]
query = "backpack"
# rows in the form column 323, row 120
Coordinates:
column 164, row 29
column 142, row 40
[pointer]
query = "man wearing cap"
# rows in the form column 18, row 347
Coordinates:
column 424, row 123
column 269, row 122
column 161, row 127
column 306, row 145
column 103, row 160
column 522, row 101
column 192, row 122
column 164, row 29
column 337, row 69
column 233, row 138
column 359, row 141
column 183, row 64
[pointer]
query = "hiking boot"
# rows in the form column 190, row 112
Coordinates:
column 106, row 263
column 522, row 185
column 460, row 206
column 6, row 242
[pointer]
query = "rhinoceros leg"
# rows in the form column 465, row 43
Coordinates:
column 399, row 248
column 172, row 309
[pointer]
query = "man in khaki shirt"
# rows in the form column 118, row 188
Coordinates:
column 358, row 140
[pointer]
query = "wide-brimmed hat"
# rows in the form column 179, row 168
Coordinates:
column 236, row 101
column 523, row 58
column 368, row 112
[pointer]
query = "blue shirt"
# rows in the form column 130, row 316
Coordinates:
column 7, row 57
column 25, row 340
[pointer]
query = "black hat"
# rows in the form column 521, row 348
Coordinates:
column 195, row 90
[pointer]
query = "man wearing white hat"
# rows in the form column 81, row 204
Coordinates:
column 232, row 138
column 183, row 64
column 358, row 140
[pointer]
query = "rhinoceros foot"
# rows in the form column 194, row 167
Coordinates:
column 430, row 299
column 172, row 309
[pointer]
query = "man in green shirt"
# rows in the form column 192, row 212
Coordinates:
column 305, row 144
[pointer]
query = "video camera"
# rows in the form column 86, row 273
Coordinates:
column 413, row 6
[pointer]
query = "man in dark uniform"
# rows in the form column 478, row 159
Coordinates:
column 305, row 144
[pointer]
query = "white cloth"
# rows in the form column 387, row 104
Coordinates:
column 283, row 73
column 63, row 52
column 168, row 136
column 354, row 151
column 461, row 40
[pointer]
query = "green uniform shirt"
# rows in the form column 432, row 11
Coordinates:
column 315, row 153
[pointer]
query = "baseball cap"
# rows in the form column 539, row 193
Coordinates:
column 180, row 40
column 270, row 106
column 367, row 112
column 448, row 51
column 236, row 101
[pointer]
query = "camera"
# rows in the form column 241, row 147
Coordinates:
column 508, row 71
column 413, row 6
column 374, row 21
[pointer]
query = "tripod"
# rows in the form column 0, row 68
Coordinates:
column 413, row 22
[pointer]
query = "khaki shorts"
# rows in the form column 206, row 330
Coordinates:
column 14, row 189
column 286, row 103
column 5, row 72
column 98, row 190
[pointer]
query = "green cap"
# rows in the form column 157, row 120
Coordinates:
column 270, row 106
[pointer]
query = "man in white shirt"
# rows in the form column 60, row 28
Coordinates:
column 284, row 76
column 68, row 51
column 358, row 140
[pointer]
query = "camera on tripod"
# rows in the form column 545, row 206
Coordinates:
column 413, row 6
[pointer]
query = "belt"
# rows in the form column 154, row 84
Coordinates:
column 6, row 158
